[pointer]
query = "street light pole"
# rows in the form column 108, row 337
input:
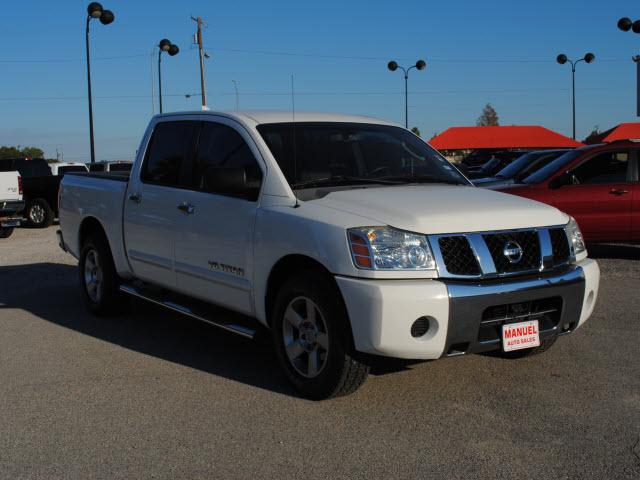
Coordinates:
column 393, row 66
column 164, row 46
column 94, row 10
column 625, row 24
column 203, row 55
column 235, row 86
column 562, row 59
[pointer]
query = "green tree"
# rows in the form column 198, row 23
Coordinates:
column 17, row 152
column 416, row 131
column 489, row 117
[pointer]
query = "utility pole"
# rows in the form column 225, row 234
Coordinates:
column 198, row 40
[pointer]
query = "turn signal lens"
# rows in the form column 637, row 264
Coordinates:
column 575, row 237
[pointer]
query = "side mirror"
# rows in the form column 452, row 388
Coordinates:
column 566, row 178
column 226, row 181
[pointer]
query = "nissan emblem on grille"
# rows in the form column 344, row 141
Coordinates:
column 513, row 252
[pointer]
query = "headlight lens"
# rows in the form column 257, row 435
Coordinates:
column 575, row 236
column 386, row 248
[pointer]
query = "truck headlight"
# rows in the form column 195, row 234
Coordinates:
column 575, row 237
column 386, row 248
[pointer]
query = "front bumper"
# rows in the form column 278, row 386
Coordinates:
column 10, row 213
column 463, row 317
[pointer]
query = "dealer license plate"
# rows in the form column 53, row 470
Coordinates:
column 516, row 336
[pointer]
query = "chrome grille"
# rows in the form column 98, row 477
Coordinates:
column 490, row 254
column 527, row 240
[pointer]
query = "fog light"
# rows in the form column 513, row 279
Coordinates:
column 420, row 327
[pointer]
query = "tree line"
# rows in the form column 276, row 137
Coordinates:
column 20, row 152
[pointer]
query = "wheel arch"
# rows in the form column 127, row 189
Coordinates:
column 90, row 225
column 283, row 269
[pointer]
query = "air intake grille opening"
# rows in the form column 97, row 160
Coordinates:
column 420, row 327
column 559, row 245
column 458, row 256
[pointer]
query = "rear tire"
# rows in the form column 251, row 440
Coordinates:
column 6, row 232
column 99, row 281
column 312, row 338
column 39, row 214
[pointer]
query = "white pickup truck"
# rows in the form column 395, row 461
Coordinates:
column 11, row 203
column 347, row 237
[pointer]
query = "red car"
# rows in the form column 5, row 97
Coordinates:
column 597, row 185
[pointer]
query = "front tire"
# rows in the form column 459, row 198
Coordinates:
column 312, row 338
column 6, row 232
column 39, row 213
column 98, row 278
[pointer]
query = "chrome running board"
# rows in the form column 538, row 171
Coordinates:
column 194, row 309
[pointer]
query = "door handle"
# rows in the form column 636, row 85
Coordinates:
column 187, row 208
column 618, row 191
column 135, row 197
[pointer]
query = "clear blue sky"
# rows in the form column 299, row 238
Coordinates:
column 502, row 52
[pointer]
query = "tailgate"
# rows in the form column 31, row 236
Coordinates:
column 9, row 186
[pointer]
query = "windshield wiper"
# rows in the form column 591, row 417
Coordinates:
column 343, row 180
column 425, row 179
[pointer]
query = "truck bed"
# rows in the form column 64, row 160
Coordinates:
column 98, row 195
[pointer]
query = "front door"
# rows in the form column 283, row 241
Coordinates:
column 214, row 234
column 150, row 212
column 600, row 196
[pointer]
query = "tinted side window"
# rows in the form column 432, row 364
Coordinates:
column 606, row 167
column 169, row 146
column 221, row 146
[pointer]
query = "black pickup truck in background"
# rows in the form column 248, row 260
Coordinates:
column 40, row 189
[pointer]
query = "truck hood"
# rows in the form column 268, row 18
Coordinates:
column 433, row 209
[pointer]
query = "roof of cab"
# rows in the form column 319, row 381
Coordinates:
column 258, row 117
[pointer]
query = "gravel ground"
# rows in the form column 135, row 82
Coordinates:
column 153, row 395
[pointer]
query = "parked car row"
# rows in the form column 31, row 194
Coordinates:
column 40, row 182
column 598, row 185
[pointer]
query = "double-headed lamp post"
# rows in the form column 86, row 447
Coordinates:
column 164, row 46
column 393, row 66
column 94, row 10
column 625, row 24
column 562, row 59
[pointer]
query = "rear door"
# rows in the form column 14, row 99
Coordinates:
column 150, row 213
column 214, row 247
column 601, row 196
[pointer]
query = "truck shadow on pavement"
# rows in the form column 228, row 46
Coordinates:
column 614, row 251
column 50, row 291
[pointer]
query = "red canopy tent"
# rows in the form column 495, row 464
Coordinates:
column 624, row 131
column 526, row 137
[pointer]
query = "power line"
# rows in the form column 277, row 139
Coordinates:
column 378, row 59
column 313, row 93
column 67, row 60
column 312, row 55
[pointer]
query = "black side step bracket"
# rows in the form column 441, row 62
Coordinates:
column 224, row 319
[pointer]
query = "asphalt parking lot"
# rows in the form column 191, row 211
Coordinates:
column 153, row 395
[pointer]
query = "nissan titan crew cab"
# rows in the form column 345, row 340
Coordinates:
column 347, row 237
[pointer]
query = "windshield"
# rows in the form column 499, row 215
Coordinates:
column 120, row 167
column 75, row 168
column 513, row 168
column 545, row 172
column 330, row 153
column 528, row 163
